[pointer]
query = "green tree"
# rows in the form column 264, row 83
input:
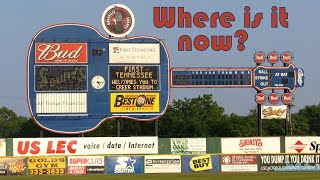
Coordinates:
column 196, row 117
column 10, row 123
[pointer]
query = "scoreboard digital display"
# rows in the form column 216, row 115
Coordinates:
column 211, row 77
column 60, row 78
column 134, row 78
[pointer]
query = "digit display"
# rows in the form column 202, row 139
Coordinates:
column 60, row 78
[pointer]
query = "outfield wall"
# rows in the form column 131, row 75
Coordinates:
column 115, row 155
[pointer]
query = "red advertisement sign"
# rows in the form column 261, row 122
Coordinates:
column 61, row 53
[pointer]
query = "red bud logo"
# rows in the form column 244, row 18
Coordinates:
column 259, row 57
column 273, row 98
column 273, row 57
column 287, row 98
column 286, row 57
column 260, row 98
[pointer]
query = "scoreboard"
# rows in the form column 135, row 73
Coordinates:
column 78, row 78
column 211, row 77
column 260, row 77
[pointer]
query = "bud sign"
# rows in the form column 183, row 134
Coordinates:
column 273, row 57
column 274, row 98
column 261, row 98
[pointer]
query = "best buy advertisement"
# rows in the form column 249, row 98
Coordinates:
column 203, row 163
column 134, row 102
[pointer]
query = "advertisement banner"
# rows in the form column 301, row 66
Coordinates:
column 290, row 162
column 274, row 112
column 124, row 165
column 61, row 53
column 250, row 145
column 239, row 163
column 203, row 163
column 85, row 165
column 306, row 144
column 84, row 146
column 162, row 164
column 2, row 147
column 13, row 166
column 134, row 102
column 188, row 145
column 134, row 53
column 47, row 165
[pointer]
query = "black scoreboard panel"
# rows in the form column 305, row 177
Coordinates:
column 60, row 78
column 134, row 78
column 214, row 78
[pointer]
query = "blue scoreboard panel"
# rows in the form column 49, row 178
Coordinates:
column 211, row 77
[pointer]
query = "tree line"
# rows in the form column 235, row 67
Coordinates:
column 195, row 117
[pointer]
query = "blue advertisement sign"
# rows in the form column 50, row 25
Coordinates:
column 203, row 163
column 77, row 78
column 124, row 164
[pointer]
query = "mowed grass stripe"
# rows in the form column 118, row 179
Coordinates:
column 209, row 176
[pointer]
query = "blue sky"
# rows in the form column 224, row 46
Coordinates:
column 20, row 20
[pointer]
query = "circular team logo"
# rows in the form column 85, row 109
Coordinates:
column 261, row 98
column 259, row 57
column 286, row 57
column 117, row 20
column 273, row 57
column 274, row 98
column 287, row 98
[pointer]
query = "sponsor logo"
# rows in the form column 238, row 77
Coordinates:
column 259, row 57
column 287, row 98
column 273, row 57
column 152, row 162
column 286, row 57
column 201, row 163
column 116, row 50
column 226, row 160
column 273, row 111
column 61, row 52
column 134, row 102
column 250, row 142
column 118, row 20
column 299, row 146
column 125, row 165
column 86, row 161
column 274, row 98
column 261, row 98
column 300, row 77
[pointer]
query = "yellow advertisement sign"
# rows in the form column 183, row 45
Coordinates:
column 47, row 165
column 134, row 102
column 201, row 163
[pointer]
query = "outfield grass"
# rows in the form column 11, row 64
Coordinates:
column 215, row 176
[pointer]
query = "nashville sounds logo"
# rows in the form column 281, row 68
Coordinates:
column 118, row 20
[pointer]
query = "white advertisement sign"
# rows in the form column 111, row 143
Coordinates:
column 239, row 163
column 134, row 53
column 188, row 145
column 2, row 147
column 250, row 145
column 162, row 164
column 84, row 146
column 274, row 112
column 61, row 103
column 306, row 144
